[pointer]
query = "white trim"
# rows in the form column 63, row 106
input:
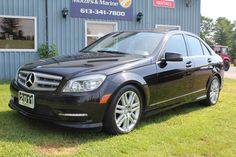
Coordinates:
column 97, row 22
column 168, row 26
column 35, row 34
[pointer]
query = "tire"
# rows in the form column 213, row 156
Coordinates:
column 213, row 92
column 226, row 65
column 120, row 112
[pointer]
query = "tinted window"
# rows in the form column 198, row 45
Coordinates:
column 195, row 46
column 206, row 50
column 177, row 44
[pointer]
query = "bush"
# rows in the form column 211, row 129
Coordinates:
column 46, row 51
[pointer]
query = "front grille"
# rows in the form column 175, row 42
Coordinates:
column 39, row 82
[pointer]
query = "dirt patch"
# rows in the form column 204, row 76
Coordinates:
column 56, row 150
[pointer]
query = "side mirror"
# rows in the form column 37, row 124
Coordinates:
column 173, row 57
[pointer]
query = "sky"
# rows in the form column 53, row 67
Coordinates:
column 218, row 8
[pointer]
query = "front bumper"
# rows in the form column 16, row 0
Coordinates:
column 54, row 107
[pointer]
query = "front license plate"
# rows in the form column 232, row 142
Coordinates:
column 26, row 99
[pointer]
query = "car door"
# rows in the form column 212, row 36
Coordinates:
column 202, row 62
column 174, row 78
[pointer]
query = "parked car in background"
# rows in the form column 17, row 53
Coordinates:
column 118, row 79
column 223, row 52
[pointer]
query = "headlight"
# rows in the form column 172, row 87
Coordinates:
column 84, row 83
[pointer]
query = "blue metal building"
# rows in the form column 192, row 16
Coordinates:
column 41, row 21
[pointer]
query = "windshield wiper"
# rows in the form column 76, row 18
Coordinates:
column 114, row 52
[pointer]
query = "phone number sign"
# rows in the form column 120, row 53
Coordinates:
column 164, row 3
column 102, row 9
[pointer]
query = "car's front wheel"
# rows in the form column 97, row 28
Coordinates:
column 124, row 112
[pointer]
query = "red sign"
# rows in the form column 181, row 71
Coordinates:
column 164, row 3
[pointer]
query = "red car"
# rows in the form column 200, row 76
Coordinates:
column 223, row 52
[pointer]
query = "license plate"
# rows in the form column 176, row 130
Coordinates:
column 26, row 99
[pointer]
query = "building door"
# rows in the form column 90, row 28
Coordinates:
column 167, row 27
column 95, row 30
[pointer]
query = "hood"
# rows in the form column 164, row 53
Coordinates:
column 83, row 63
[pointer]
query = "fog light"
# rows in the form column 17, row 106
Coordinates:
column 73, row 115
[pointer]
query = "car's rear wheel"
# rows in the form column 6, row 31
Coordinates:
column 213, row 92
column 124, row 112
column 226, row 65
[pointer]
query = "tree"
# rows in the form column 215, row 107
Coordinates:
column 233, row 50
column 224, row 32
column 207, row 30
column 10, row 26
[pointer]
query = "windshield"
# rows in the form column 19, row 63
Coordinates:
column 141, row 43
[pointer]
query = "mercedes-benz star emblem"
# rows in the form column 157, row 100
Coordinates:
column 30, row 80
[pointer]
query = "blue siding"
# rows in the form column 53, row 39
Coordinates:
column 68, row 34
column 10, row 61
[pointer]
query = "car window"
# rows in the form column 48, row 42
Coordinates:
column 195, row 46
column 224, row 51
column 205, row 50
column 217, row 49
column 176, row 44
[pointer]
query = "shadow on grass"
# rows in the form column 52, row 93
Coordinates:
column 15, row 128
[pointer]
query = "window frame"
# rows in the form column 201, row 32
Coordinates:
column 168, row 26
column 97, row 22
column 35, row 34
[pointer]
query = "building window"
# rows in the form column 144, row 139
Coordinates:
column 96, row 30
column 18, row 33
column 167, row 27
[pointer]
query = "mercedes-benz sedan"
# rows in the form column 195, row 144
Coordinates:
column 120, row 78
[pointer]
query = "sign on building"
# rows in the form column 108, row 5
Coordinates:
column 102, row 9
column 164, row 3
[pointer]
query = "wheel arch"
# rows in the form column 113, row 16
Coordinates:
column 226, row 59
column 217, row 75
column 135, row 80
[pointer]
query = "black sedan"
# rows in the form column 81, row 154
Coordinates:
column 120, row 78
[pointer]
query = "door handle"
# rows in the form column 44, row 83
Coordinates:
column 209, row 60
column 189, row 64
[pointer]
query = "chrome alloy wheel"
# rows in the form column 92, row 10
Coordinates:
column 127, row 111
column 214, row 91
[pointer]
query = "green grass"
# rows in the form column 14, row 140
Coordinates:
column 189, row 131
column 17, row 44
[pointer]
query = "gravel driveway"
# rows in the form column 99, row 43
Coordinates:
column 231, row 73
